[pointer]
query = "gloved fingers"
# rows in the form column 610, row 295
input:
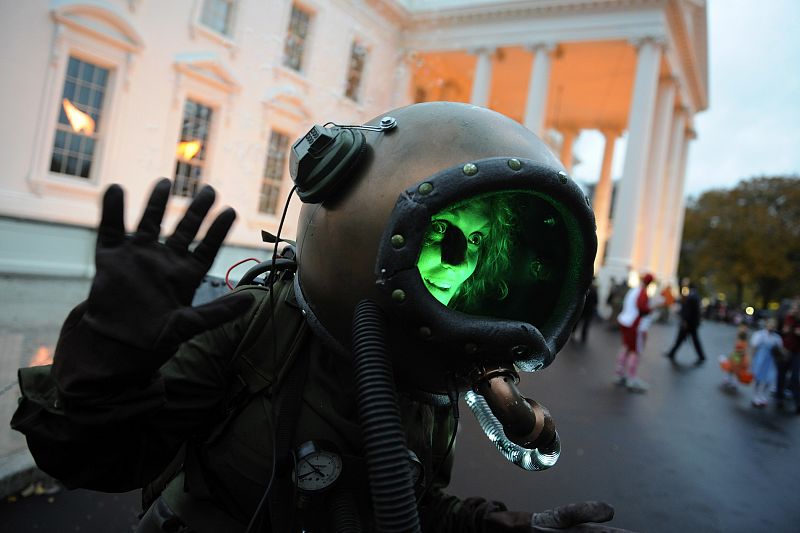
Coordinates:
column 185, row 323
column 207, row 250
column 150, row 224
column 111, row 231
column 573, row 514
column 191, row 221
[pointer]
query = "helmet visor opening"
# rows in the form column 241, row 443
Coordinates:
column 503, row 255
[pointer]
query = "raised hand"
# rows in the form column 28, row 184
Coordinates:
column 143, row 289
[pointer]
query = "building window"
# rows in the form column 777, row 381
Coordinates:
column 355, row 70
column 192, row 149
column 218, row 15
column 296, row 38
column 273, row 173
column 78, row 123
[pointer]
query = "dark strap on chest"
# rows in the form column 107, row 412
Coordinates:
column 288, row 400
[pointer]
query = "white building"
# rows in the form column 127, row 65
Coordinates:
column 214, row 91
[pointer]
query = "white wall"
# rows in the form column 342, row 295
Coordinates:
column 146, row 94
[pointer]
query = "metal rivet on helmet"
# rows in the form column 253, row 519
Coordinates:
column 398, row 241
column 398, row 295
column 425, row 188
column 519, row 351
column 388, row 123
column 562, row 176
column 424, row 332
column 514, row 164
column 470, row 169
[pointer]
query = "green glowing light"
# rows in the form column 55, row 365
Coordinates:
column 465, row 248
column 504, row 254
column 451, row 248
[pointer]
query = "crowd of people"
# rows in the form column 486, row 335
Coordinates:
column 764, row 355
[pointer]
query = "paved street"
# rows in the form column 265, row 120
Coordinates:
column 686, row 456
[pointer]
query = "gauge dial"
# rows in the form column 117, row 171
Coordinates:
column 317, row 470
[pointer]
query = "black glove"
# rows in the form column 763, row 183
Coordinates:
column 139, row 310
column 575, row 517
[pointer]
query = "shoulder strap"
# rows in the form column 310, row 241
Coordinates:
column 271, row 340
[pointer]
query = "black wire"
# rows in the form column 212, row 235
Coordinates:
column 258, row 514
column 272, row 274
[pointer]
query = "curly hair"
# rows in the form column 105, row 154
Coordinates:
column 488, row 279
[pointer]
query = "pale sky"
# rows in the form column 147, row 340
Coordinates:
column 752, row 124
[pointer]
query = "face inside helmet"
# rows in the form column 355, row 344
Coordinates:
column 498, row 254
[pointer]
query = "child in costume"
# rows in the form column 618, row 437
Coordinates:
column 764, row 371
column 737, row 364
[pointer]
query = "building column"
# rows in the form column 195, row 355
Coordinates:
column 601, row 200
column 482, row 80
column 648, row 230
column 679, row 208
column 666, row 212
column 629, row 196
column 536, row 102
column 567, row 144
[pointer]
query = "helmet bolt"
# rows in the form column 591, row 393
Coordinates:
column 425, row 188
column 519, row 350
column 470, row 169
column 388, row 123
column 398, row 295
column 424, row 332
column 470, row 348
column 514, row 164
column 562, row 176
column 398, row 241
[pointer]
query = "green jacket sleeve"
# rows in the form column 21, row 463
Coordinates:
column 90, row 430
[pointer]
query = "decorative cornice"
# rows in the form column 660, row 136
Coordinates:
column 548, row 47
column 657, row 40
column 207, row 68
column 690, row 53
column 491, row 12
column 109, row 23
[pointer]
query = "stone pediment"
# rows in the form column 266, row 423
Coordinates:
column 99, row 19
column 287, row 99
column 207, row 68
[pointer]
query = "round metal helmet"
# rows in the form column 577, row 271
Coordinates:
column 466, row 231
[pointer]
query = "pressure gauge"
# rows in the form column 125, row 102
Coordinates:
column 316, row 469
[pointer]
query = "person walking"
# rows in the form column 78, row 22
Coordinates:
column 589, row 312
column 690, row 324
column 789, row 360
column 633, row 321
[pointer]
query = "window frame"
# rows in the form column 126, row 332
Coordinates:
column 280, row 182
column 100, row 126
column 229, row 40
column 358, row 97
column 206, row 80
column 111, row 42
column 210, row 141
column 308, row 40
